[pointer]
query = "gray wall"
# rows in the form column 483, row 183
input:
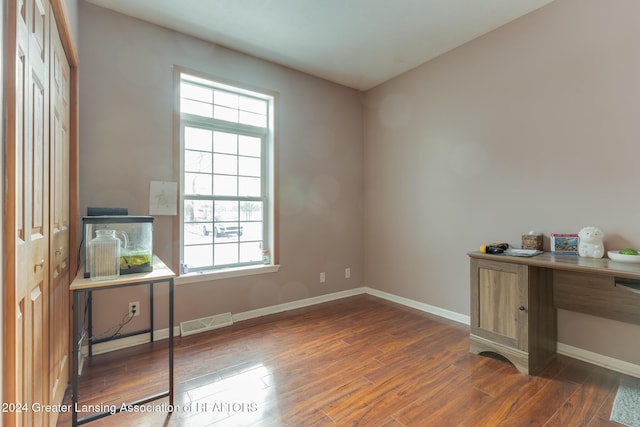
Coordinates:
column 532, row 126
column 126, row 99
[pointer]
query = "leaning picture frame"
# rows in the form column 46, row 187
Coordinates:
column 564, row 243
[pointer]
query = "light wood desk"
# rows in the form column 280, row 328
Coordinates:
column 161, row 273
column 514, row 301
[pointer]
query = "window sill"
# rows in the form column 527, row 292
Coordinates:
column 207, row 276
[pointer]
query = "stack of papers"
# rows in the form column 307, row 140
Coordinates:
column 521, row 252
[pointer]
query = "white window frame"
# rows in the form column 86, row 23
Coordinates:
column 268, row 184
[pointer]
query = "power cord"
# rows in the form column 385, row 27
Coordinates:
column 125, row 320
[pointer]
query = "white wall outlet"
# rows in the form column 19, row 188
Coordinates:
column 323, row 277
column 347, row 273
column 134, row 307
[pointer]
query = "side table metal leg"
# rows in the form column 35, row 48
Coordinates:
column 76, row 358
column 90, row 322
column 151, row 327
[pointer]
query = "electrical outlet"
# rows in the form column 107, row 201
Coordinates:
column 347, row 273
column 323, row 277
column 134, row 307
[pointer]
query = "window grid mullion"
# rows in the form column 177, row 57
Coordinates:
column 218, row 125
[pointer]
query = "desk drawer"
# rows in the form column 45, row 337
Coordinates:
column 595, row 294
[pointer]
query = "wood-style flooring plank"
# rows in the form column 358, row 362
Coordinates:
column 585, row 403
column 356, row 361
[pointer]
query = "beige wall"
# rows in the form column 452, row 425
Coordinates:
column 532, row 126
column 72, row 14
column 126, row 142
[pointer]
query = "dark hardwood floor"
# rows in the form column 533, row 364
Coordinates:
column 356, row 361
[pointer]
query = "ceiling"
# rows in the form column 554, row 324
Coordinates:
column 356, row 43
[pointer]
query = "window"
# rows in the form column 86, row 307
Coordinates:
column 226, row 175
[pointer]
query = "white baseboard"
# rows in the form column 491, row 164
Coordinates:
column 451, row 315
column 279, row 308
column 564, row 349
column 599, row 360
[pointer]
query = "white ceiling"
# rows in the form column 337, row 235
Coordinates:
column 356, row 43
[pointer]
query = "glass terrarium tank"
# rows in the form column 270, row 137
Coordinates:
column 136, row 240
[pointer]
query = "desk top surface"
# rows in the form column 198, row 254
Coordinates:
column 569, row 263
column 160, row 273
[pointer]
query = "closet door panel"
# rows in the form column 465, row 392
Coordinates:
column 37, row 166
column 38, row 348
column 20, row 357
column 59, row 221
column 36, row 207
column 31, row 189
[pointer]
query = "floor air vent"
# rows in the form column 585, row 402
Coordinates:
column 196, row 326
